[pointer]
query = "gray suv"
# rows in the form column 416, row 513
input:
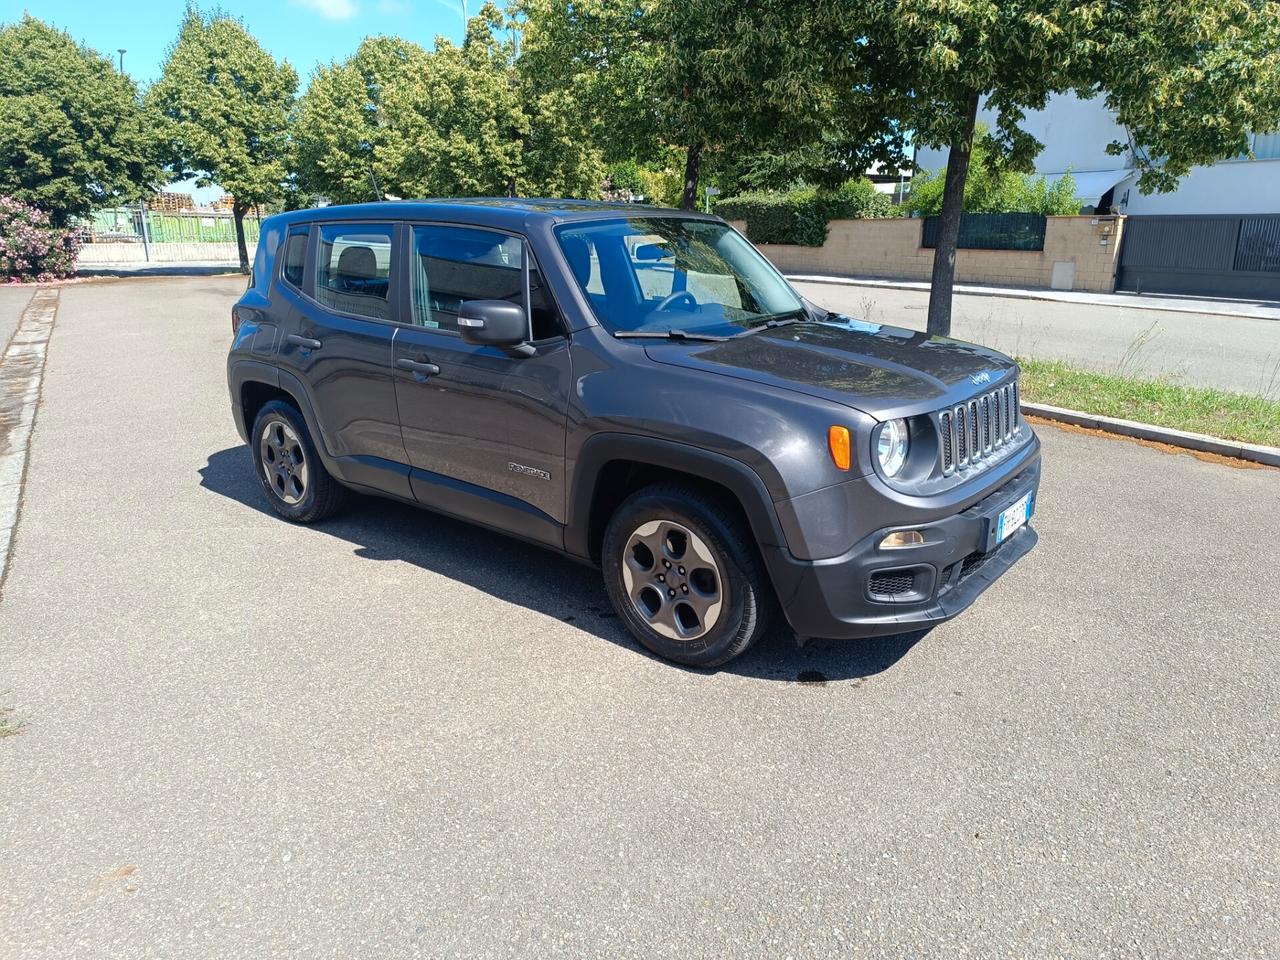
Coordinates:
column 638, row 389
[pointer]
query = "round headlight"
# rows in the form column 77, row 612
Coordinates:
column 892, row 444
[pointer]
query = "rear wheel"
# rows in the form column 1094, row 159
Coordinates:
column 297, row 485
column 682, row 573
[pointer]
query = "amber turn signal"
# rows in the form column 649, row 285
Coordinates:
column 839, row 445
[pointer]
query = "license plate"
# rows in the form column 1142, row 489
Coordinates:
column 1013, row 518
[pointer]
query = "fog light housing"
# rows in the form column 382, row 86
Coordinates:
column 902, row 538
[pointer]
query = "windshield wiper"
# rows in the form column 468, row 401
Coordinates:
column 667, row 335
column 778, row 320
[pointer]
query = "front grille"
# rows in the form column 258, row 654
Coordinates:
column 892, row 584
column 977, row 428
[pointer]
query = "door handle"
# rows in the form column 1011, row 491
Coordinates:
column 404, row 363
column 307, row 342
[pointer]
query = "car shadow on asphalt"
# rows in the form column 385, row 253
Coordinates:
column 543, row 581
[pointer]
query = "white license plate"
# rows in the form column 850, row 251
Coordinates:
column 1013, row 518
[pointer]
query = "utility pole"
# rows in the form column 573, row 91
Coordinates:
column 121, row 51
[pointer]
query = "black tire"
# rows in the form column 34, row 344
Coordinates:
column 300, row 490
column 674, row 605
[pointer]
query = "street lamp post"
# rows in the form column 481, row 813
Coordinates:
column 121, row 51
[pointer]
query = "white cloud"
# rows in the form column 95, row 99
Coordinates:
column 331, row 9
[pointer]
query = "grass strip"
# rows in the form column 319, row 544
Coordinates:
column 1218, row 413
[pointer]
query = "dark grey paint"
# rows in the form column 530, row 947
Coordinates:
column 517, row 443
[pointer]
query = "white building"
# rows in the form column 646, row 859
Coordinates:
column 1075, row 134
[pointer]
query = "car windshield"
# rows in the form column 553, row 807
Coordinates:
column 661, row 274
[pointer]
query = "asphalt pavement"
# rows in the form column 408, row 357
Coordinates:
column 395, row 735
column 13, row 300
column 1232, row 353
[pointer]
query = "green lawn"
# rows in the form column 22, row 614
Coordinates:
column 1218, row 413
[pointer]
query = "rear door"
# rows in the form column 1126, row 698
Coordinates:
column 340, row 346
column 484, row 430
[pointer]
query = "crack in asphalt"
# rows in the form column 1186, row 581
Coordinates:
column 21, row 376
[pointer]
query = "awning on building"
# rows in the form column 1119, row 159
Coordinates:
column 1092, row 184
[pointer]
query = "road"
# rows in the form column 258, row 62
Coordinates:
column 399, row 736
column 1233, row 353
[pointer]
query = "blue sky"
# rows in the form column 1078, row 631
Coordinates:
column 304, row 32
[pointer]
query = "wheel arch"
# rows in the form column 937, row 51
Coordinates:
column 254, row 384
column 612, row 466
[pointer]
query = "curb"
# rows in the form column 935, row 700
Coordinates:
column 1053, row 296
column 1255, row 453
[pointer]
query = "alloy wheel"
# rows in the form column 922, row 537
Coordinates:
column 284, row 462
column 672, row 579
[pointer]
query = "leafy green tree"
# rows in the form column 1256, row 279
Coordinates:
column 72, row 132
column 705, row 76
column 1188, row 80
column 457, row 121
column 352, row 127
column 222, row 108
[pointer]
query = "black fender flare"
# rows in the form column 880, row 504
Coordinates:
column 255, row 371
column 735, row 476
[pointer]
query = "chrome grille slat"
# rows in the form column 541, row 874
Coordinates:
column 977, row 428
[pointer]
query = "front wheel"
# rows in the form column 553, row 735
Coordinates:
column 682, row 572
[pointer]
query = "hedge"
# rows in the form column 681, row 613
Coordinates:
column 801, row 216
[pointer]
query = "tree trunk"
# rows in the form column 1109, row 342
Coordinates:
column 237, row 214
column 692, row 169
column 944, row 255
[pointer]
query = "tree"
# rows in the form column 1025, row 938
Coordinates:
column 351, row 133
column 72, row 131
column 994, row 188
column 1188, row 80
column 706, row 76
column 222, row 106
column 456, row 121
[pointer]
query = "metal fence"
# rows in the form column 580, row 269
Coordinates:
column 1219, row 255
column 136, row 233
column 992, row 231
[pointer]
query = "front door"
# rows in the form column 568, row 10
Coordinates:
column 483, row 430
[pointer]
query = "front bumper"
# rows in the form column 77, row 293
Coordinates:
column 843, row 597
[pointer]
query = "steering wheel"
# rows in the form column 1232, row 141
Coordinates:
column 668, row 302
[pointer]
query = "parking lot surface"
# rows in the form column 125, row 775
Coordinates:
column 397, row 736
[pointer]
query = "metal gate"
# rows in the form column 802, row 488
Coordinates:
column 1214, row 256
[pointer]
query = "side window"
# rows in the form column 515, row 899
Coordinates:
column 353, row 268
column 295, row 255
column 545, row 319
column 454, row 264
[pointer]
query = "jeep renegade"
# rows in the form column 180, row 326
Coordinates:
column 641, row 390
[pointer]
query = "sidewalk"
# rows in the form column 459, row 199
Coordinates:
column 194, row 268
column 1257, row 309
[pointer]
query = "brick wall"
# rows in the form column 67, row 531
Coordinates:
column 1074, row 256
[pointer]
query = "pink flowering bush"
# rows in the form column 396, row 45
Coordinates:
column 31, row 248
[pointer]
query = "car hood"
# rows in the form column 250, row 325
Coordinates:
column 883, row 371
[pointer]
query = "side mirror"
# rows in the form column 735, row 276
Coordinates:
column 495, row 323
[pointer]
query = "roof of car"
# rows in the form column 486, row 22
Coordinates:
column 487, row 211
